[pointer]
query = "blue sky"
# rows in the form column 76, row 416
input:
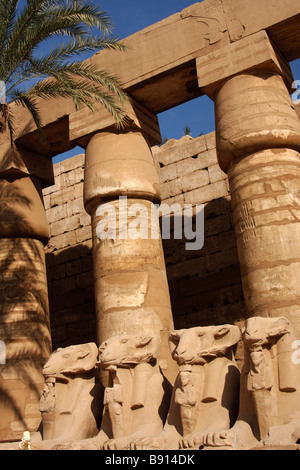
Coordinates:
column 130, row 16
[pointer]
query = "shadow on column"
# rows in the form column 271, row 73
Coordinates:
column 24, row 319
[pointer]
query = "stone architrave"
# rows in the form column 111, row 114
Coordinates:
column 71, row 404
column 137, row 398
column 205, row 395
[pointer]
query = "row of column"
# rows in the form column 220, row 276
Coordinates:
column 258, row 140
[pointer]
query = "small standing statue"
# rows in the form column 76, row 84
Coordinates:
column 186, row 399
column 113, row 401
column 137, row 399
column 269, row 411
column 273, row 379
column 206, row 392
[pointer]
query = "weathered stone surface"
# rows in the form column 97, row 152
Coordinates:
column 281, row 20
column 19, row 162
column 71, row 404
column 83, row 123
column 264, row 189
column 268, row 121
column 21, row 209
column 119, row 164
column 136, row 402
column 253, row 52
column 233, row 55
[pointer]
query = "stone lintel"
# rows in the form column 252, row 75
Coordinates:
column 160, row 81
column 84, row 123
column 280, row 18
column 251, row 53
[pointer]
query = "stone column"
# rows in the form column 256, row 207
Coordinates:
column 258, row 134
column 24, row 310
column 258, row 140
column 120, row 190
column 258, row 143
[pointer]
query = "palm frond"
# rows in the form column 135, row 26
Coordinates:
column 88, row 30
column 82, row 92
column 43, row 19
column 8, row 15
column 28, row 101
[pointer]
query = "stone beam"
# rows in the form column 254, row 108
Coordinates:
column 250, row 53
column 281, row 20
column 84, row 123
column 159, row 68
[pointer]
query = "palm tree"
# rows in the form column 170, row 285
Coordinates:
column 78, row 26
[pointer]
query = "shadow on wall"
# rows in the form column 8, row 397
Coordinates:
column 71, row 296
column 24, row 318
column 205, row 285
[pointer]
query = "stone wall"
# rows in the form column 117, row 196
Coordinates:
column 69, row 257
column 205, row 285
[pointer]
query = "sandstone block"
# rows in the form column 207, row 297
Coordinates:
column 207, row 193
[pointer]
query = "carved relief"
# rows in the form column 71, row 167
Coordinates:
column 205, row 396
column 72, row 400
column 137, row 399
column 210, row 19
column 246, row 225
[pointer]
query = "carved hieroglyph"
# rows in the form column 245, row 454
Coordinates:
column 205, row 396
column 136, row 402
column 72, row 400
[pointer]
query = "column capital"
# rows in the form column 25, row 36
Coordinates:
column 253, row 53
column 254, row 112
column 84, row 123
column 119, row 164
column 23, row 175
column 18, row 162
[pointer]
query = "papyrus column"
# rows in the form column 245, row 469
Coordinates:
column 258, row 134
column 258, row 143
column 258, row 140
column 24, row 310
column 131, row 287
